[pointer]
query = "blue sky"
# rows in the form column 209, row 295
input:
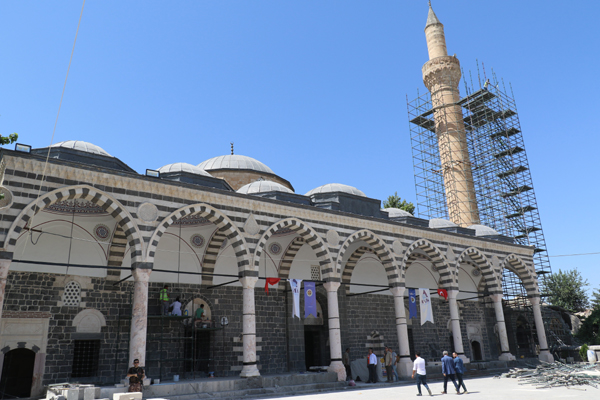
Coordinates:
column 314, row 89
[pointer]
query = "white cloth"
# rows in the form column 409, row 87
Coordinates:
column 426, row 311
column 372, row 359
column 176, row 308
column 296, row 285
column 419, row 366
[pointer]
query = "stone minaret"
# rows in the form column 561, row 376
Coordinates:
column 441, row 75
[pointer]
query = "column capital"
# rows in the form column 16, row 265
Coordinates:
column 496, row 298
column 398, row 291
column 249, row 282
column 141, row 275
column 331, row 286
column 452, row 294
column 535, row 301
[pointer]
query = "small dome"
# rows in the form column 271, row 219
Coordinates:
column 482, row 230
column 262, row 187
column 396, row 212
column 183, row 167
column 437, row 223
column 234, row 161
column 336, row 187
column 82, row 146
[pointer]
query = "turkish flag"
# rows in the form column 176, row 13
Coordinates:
column 443, row 293
column 270, row 281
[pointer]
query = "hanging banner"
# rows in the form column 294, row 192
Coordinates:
column 412, row 303
column 270, row 281
column 310, row 299
column 296, row 284
column 426, row 311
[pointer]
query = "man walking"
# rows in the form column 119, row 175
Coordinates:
column 372, row 365
column 346, row 362
column 419, row 369
column 164, row 300
column 459, row 366
column 448, row 371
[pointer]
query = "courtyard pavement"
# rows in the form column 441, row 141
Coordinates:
column 486, row 388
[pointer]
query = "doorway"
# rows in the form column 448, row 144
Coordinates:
column 313, row 346
column 476, row 350
column 17, row 374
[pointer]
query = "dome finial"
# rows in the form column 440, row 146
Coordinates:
column 231, row 148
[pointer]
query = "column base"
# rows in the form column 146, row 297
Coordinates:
column 339, row 369
column 249, row 371
column 506, row 357
column 405, row 368
column 465, row 359
column 546, row 356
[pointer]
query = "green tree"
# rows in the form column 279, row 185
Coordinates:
column 588, row 333
column 396, row 202
column 596, row 299
column 567, row 290
column 8, row 139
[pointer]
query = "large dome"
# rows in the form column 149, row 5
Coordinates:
column 336, row 187
column 183, row 167
column 262, row 187
column 234, row 161
column 82, row 146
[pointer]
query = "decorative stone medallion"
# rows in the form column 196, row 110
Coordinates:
column 102, row 232
column 333, row 238
column 476, row 272
column 147, row 212
column 8, row 197
column 397, row 247
column 275, row 248
column 197, row 240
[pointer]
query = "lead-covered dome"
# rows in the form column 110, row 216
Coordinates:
column 182, row 167
column 82, row 146
column 438, row 223
column 234, row 161
column 263, row 187
column 336, row 187
column 482, row 230
column 396, row 212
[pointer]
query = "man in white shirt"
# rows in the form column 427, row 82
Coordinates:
column 372, row 365
column 419, row 369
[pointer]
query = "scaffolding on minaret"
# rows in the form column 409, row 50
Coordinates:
column 504, row 189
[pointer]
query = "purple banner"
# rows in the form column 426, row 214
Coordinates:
column 310, row 299
column 412, row 303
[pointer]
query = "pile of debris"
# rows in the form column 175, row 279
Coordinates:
column 548, row 375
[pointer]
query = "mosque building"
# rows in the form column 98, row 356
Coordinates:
column 87, row 243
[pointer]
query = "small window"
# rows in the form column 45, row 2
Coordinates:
column 85, row 358
column 315, row 273
column 72, row 294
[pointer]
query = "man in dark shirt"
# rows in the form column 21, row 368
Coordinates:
column 136, row 377
column 448, row 371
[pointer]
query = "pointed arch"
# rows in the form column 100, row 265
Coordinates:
column 109, row 204
column 351, row 263
column 491, row 279
column 379, row 248
column 285, row 264
column 526, row 274
column 311, row 238
column 209, row 260
column 448, row 278
column 223, row 223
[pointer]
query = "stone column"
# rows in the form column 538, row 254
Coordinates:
column 405, row 365
column 541, row 332
column 249, row 327
column 335, row 340
column 502, row 335
column 455, row 321
column 139, row 315
column 4, row 265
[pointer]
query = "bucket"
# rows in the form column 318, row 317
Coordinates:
column 175, row 378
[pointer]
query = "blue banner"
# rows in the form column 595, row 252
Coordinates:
column 310, row 299
column 412, row 303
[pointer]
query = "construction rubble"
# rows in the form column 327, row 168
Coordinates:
column 556, row 374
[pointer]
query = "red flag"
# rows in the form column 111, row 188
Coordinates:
column 443, row 293
column 270, row 281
